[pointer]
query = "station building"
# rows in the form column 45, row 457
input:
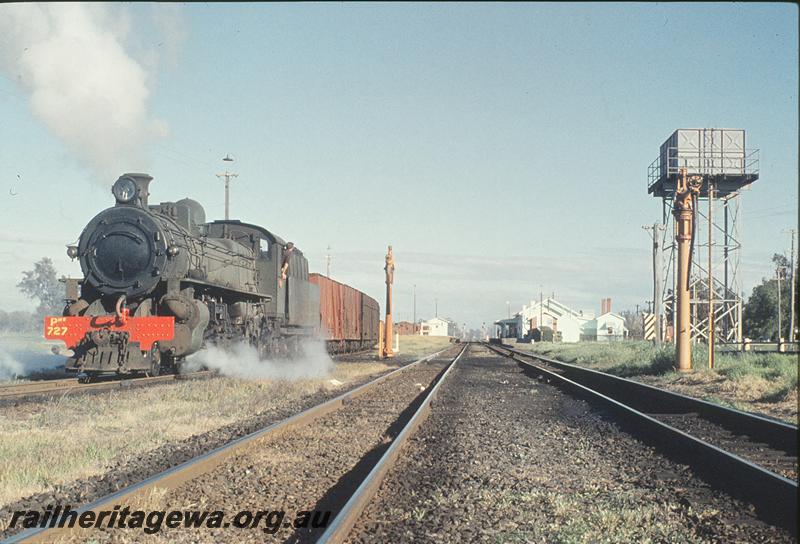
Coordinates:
column 567, row 324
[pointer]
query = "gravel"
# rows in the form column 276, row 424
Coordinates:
column 505, row 458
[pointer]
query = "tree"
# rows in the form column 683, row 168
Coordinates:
column 19, row 322
column 760, row 320
column 42, row 283
column 634, row 323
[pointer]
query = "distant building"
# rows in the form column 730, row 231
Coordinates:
column 510, row 328
column 438, row 327
column 565, row 322
column 608, row 327
column 568, row 325
column 406, row 328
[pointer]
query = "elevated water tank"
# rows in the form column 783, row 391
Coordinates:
column 717, row 154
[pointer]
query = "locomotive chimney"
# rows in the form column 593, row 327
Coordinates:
column 142, row 183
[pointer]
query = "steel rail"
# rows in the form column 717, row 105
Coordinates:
column 19, row 389
column 338, row 530
column 774, row 496
column 188, row 470
column 45, row 387
column 778, row 434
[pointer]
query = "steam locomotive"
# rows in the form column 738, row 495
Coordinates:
column 160, row 283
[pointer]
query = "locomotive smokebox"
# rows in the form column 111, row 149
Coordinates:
column 132, row 189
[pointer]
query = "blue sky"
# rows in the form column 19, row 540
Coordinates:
column 497, row 147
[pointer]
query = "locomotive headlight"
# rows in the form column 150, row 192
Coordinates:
column 124, row 190
column 72, row 252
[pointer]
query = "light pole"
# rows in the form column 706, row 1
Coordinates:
column 227, row 175
column 508, row 307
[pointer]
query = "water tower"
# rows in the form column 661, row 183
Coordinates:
column 727, row 167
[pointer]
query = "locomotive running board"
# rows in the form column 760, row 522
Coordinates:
column 262, row 296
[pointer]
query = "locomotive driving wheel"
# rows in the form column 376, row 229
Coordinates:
column 155, row 360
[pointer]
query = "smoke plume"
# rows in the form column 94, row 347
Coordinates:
column 242, row 361
column 21, row 363
column 82, row 83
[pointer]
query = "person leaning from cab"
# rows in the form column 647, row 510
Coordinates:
column 288, row 250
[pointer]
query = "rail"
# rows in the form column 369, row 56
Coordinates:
column 45, row 387
column 774, row 496
column 347, row 517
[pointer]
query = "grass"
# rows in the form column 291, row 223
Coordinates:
column 588, row 515
column 765, row 378
column 417, row 346
column 629, row 359
column 72, row 437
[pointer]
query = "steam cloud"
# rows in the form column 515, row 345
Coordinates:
column 242, row 361
column 83, row 84
column 21, row 363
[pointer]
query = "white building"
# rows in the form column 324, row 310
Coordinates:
column 438, row 327
column 608, row 327
column 568, row 325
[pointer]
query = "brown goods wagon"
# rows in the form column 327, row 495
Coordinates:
column 346, row 315
column 330, row 307
column 370, row 319
column 351, row 312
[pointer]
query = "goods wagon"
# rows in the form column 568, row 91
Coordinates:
column 349, row 319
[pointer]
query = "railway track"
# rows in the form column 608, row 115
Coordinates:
column 749, row 456
column 71, row 385
column 348, row 443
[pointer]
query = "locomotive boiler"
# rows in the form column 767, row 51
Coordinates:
column 159, row 282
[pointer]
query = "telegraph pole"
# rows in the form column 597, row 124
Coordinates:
column 657, row 281
column 778, row 275
column 541, row 302
column 793, row 279
column 328, row 262
column 227, row 175
column 414, row 329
